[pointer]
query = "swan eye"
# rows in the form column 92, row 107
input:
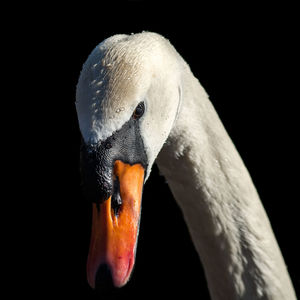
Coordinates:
column 139, row 111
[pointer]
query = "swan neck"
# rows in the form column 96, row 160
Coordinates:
column 223, row 212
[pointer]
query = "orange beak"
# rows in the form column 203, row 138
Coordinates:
column 114, row 237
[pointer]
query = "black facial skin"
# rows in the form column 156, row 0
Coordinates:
column 97, row 160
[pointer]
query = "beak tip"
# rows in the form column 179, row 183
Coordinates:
column 102, row 279
column 91, row 281
column 105, row 279
column 91, row 284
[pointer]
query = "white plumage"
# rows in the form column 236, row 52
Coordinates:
column 183, row 133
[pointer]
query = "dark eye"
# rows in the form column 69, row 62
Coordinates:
column 139, row 111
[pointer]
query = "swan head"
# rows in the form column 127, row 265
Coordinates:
column 127, row 100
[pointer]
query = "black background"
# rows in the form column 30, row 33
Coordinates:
column 245, row 58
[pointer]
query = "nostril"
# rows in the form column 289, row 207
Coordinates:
column 116, row 200
column 103, row 280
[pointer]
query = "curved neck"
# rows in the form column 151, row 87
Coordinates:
column 223, row 212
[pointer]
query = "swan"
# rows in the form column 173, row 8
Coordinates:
column 137, row 103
